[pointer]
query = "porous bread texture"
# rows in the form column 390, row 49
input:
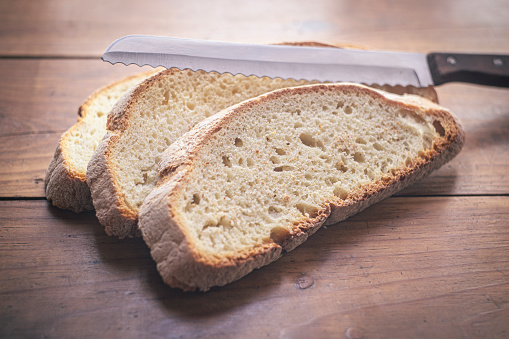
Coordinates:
column 144, row 122
column 65, row 182
column 260, row 177
column 148, row 119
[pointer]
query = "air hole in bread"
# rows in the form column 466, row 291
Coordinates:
column 340, row 166
column 280, row 151
column 340, row 192
column 166, row 98
column 223, row 221
column 226, row 161
column 358, row 157
column 348, row 110
column 298, row 124
column 191, row 105
column 196, row 199
column 307, row 210
column 284, row 168
column 361, row 141
column 439, row 128
column 378, row 147
column 239, row 142
column 340, row 105
column 308, row 140
column 250, row 162
column 279, row 234
column 275, row 160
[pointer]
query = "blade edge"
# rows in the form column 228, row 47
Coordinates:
column 333, row 65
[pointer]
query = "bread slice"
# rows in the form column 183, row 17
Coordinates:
column 144, row 122
column 66, row 184
column 258, row 178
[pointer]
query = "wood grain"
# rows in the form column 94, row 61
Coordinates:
column 24, row 160
column 431, row 262
column 86, row 28
column 43, row 95
column 416, row 267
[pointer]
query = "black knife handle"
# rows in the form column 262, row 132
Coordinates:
column 482, row 69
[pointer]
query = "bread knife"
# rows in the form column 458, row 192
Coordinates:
column 322, row 64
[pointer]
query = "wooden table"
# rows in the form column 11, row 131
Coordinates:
column 431, row 262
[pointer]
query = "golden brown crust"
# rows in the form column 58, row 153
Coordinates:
column 110, row 208
column 118, row 218
column 179, row 259
column 65, row 185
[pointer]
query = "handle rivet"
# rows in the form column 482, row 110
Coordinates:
column 451, row 60
column 498, row 62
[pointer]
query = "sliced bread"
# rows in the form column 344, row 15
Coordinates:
column 143, row 123
column 66, row 184
column 148, row 119
column 258, row 178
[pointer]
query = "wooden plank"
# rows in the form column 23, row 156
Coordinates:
column 41, row 96
column 80, row 28
column 409, row 267
column 24, row 160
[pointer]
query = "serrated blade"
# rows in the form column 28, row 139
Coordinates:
column 275, row 61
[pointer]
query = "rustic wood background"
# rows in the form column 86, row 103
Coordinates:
column 431, row 262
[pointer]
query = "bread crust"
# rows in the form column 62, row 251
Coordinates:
column 118, row 218
column 65, row 185
column 183, row 265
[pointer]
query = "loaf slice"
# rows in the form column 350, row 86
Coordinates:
column 65, row 183
column 258, row 178
column 143, row 123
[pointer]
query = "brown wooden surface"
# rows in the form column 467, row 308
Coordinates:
column 432, row 262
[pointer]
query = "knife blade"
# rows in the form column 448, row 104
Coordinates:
column 322, row 64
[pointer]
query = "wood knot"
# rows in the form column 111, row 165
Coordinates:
column 304, row 282
column 354, row 333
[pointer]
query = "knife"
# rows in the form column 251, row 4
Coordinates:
column 322, row 64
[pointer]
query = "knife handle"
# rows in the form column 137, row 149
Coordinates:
column 482, row 69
